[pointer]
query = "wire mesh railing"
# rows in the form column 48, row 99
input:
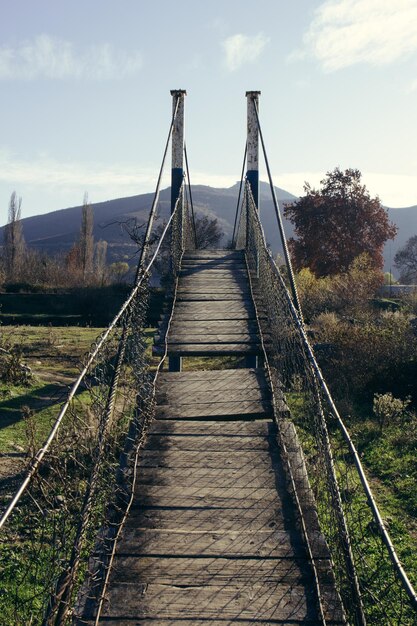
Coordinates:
column 341, row 522
column 58, row 532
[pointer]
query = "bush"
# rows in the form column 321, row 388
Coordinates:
column 374, row 354
column 388, row 409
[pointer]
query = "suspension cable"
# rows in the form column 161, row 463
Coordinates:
column 155, row 201
column 191, row 197
column 279, row 220
column 240, row 193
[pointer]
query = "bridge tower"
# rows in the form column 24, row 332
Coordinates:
column 177, row 169
column 252, row 158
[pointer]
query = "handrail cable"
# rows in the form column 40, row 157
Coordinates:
column 140, row 275
column 372, row 503
column 242, row 175
column 191, row 197
column 279, row 220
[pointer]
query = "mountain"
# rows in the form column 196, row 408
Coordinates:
column 56, row 232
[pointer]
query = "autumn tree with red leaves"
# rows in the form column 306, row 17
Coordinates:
column 337, row 223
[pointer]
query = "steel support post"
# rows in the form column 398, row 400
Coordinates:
column 252, row 158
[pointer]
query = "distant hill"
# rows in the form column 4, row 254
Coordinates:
column 55, row 232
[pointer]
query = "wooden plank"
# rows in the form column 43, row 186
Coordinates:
column 210, row 571
column 209, row 396
column 246, row 305
column 189, row 459
column 213, row 327
column 185, row 396
column 233, row 376
column 225, row 349
column 270, row 543
column 261, row 428
column 235, row 278
column 191, row 296
column 203, row 477
column 209, row 339
column 213, row 254
column 201, row 518
column 266, row 601
column 178, row 496
column 218, row 409
column 214, row 314
column 213, row 286
column 210, row 442
column 189, row 388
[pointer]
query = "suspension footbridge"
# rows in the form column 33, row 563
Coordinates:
column 234, row 495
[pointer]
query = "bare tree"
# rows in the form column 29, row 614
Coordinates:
column 14, row 242
column 208, row 232
column 86, row 242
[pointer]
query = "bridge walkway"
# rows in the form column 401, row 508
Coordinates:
column 213, row 535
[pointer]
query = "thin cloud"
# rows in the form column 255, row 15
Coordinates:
column 347, row 32
column 240, row 49
column 57, row 59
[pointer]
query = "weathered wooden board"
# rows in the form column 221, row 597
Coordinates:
column 225, row 543
column 189, row 459
column 185, row 397
column 264, row 601
column 223, row 327
column 210, row 442
column 210, row 571
column 233, row 376
column 210, row 314
column 225, row 305
column 203, row 349
column 261, row 428
column 227, row 478
column 244, row 409
column 188, row 338
column 218, row 497
column 201, row 518
column 192, row 296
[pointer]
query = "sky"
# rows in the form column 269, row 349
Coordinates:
column 85, row 94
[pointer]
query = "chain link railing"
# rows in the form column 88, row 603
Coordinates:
column 341, row 522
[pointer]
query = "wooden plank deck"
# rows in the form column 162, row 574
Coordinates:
column 213, row 536
column 213, row 287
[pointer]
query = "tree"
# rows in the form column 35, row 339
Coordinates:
column 208, row 232
column 14, row 242
column 100, row 260
column 86, row 241
column 406, row 261
column 337, row 223
column 118, row 270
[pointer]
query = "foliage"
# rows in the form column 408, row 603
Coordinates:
column 337, row 223
column 374, row 354
column 118, row 270
column 388, row 409
column 406, row 261
column 343, row 293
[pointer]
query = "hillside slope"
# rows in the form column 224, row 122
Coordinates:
column 56, row 232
